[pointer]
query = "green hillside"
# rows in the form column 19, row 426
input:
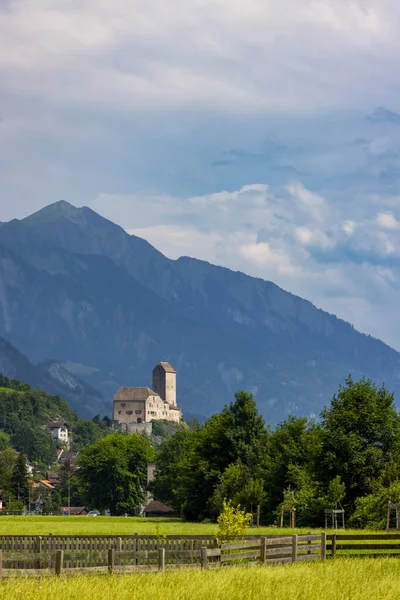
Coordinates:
column 25, row 412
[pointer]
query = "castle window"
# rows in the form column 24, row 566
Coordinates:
column 119, row 412
column 129, row 412
column 138, row 412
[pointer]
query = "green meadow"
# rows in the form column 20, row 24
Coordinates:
column 19, row 525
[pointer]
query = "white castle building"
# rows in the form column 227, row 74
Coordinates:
column 136, row 406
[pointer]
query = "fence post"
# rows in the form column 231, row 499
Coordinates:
column 1, row 563
column 263, row 553
column 333, row 547
column 118, row 545
column 111, row 560
column 294, row 548
column 204, row 557
column 323, row 545
column 136, row 548
column 258, row 515
column 309, row 541
column 161, row 559
column 38, row 550
column 59, row 562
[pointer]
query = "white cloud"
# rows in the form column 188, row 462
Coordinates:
column 135, row 53
column 349, row 227
column 309, row 201
column 387, row 220
column 177, row 241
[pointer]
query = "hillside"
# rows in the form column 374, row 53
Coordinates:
column 53, row 377
column 25, row 412
column 77, row 287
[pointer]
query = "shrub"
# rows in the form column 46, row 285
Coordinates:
column 232, row 522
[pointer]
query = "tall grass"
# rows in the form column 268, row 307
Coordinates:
column 342, row 579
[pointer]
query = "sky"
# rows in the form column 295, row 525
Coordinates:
column 262, row 135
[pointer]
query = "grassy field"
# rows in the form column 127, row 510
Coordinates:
column 11, row 525
column 344, row 579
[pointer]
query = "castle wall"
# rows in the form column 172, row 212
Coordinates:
column 170, row 388
column 134, row 411
column 141, row 428
column 129, row 411
column 164, row 384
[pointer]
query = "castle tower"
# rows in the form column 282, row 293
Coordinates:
column 164, row 382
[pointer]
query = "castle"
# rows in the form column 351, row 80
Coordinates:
column 135, row 407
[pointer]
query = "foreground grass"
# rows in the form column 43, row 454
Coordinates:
column 342, row 579
column 113, row 526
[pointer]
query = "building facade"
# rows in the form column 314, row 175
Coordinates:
column 134, row 407
column 59, row 431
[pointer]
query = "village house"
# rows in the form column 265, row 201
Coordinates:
column 135, row 407
column 64, row 456
column 59, row 431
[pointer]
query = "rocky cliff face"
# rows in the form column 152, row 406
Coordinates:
column 77, row 287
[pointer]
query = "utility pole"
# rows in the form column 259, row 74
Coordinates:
column 69, row 498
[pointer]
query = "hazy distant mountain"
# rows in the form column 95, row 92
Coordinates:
column 51, row 377
column 77, row 287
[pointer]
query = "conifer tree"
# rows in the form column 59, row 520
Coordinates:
column 19, row 479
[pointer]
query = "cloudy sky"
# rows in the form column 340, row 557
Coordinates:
column 263, row 135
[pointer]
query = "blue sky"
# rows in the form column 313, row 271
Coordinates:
column 263, row 135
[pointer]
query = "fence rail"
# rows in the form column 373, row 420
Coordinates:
column 360, row 544
column 63, row 554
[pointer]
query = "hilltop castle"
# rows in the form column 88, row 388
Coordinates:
column 135, row 407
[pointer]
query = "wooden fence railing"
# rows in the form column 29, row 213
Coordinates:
column 50, row 554
column 372, row 544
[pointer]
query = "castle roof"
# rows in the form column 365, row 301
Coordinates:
column 167, row 367
column 134, row 393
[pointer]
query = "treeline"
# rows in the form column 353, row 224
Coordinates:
column 351, row 455
column 24, row 414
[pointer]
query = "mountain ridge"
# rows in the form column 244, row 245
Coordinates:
column 102, row 297
column 50, row 376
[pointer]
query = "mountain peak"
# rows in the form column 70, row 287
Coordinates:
column 62, row 208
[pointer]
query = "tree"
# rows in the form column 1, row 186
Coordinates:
column 19, row 478
column 7, row 461
column 172, row 460
column 88, row 432
column 361, row 437
column 4, row 441
column 113, row 472
column 192, row 463
column 294, row 451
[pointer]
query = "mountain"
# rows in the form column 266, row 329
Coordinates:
column 109, row 306
column 52, row 377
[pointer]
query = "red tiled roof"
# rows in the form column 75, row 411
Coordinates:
column 47, row 484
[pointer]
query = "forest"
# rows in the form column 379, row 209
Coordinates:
column 350, row 455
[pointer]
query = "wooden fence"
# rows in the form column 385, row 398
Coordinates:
column 41, row 555
column 372, row 545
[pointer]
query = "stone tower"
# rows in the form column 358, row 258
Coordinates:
column 164, row 382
